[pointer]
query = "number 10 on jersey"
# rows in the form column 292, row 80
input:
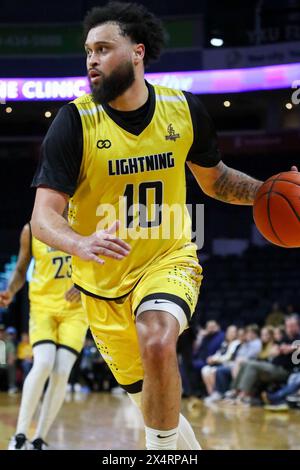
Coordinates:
column 150, row 198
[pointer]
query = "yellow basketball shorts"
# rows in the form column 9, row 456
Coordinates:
column 172, row 285
column 66, row 328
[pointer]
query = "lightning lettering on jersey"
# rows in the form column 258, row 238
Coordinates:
column 130, row 165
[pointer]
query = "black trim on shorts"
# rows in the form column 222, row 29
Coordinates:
column 50, row 341
column 136, row 387
column 172, row 298
column 95, row 296
column 43, row 341
column 68, row 348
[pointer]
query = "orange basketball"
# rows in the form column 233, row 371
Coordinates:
column 276, row 209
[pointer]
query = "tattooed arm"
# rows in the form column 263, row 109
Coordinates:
column 226, row 184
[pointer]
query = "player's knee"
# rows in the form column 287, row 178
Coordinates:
column 59, row 375
column 43, row 367
column 61, row 371
column 158, row 351
column 64, row 362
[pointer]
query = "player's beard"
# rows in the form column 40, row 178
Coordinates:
column 113, row 85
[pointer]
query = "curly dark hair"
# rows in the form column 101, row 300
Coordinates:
column 135, row 21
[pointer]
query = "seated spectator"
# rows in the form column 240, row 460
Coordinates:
column 222, row 356
column 24, row 354
column 278, row 333
column 276, row 316
column 279, row 397
column 259, row 374
column 267, row 342
column 249, row 348
column 207, row 343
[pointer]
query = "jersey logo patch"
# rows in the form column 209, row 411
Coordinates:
column 104, row 144
column 172, row 135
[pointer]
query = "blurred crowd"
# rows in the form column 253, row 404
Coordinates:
column 249, row 365
column 239, row 364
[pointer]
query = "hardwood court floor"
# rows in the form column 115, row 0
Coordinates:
column 103, row 421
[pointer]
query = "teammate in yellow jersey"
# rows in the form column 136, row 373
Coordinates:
column 57, row 331
column 118, row 157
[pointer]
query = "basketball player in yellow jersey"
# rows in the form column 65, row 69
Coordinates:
column 57, row 329
column 119, row 154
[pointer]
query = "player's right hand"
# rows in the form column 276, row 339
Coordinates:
column 6, row 298
column 104, row 243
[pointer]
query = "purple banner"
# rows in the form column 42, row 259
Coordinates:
column 202, row 82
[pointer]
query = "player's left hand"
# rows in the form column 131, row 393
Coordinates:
column 73, row 295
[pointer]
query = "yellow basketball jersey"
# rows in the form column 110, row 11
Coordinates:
column 137, row 179
column 51, row 278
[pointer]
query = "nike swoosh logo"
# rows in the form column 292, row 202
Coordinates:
column 165, row 302
column 164, row 437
